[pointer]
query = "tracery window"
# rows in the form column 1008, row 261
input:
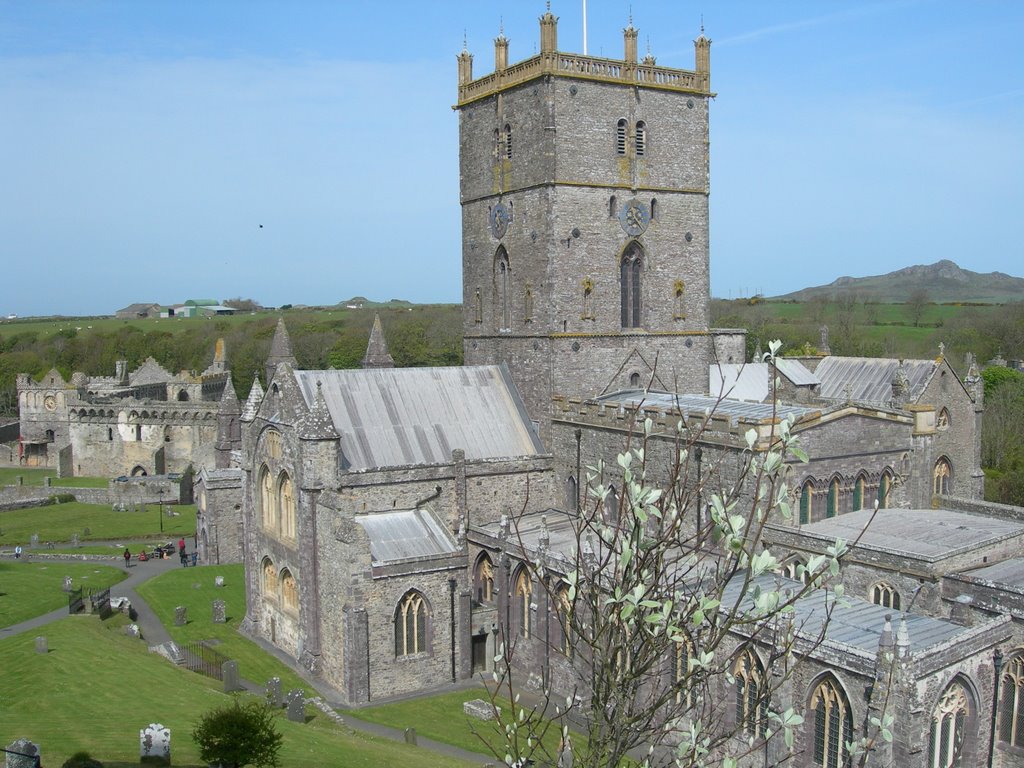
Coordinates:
column 942, row 478
column 630, row 269
column 562, row 608
column 885, row 595
column 806, row 501
column 286, row 505
column 502, row 288
column 833, row 724
column 289, row 591
column 832, row 500
column 1011, row 702
column 791, row 570
column 272, row 441
column 483, row 579
column 949, row 727
column 269, row 581
column 522, row 593
column 268, row 502
column 411, row 625
column 942, row 420
column 858, row 492
column 751, row 698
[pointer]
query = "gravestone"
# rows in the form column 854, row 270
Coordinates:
column 155, row 745
column 410, row 736
column 229, row 674
column 47, row 481
column 180, row 616
column 274, row 698
column 67, row 584
column 22, row 754
column 33, row 540
column 218, row 581
column 74, row 540
column 132, row 630
column 480, row 709
column 296, row 703
column 41, row 645
column 219, row 612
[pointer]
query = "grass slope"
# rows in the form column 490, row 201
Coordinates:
column 34, row 477
column 97, row 688
column 32, row 589
column 60, row 521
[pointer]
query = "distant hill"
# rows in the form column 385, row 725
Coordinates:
column 944, row 281
column 361, row 302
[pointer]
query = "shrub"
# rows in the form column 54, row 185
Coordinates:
column 81, row 760
column 238, row 734
column 61, row 498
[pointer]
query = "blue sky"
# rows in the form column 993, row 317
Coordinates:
column 143, row 143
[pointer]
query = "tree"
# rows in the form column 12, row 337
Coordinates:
column 666, row 589
column 916, row 304
column 238, row 734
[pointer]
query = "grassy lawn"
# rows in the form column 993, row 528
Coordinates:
column 32, row 589
column 34, row 476
column 60, row 521
column 97, row 688
column 194, row 589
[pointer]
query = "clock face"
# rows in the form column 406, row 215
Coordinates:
column 500, row 219
column 50, row 403
column 634, row 218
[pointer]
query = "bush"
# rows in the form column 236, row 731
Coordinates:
column 81, row 760
column 61, row 498
column 237, row 735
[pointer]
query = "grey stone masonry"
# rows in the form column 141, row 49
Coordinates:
column 295, row 701
column 180, row 616
column 229, row 674
column 274, row 696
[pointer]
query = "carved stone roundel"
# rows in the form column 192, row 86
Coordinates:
column 500, row 219
column 634, row 217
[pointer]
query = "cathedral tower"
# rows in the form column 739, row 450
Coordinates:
column 584, row 190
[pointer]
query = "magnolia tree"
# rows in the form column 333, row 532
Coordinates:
column 664, row 592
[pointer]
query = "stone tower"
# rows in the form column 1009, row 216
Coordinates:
column 584, row 190
column 229, row 431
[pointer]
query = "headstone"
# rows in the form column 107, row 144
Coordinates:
column 480, row 709
column 19, row 480
column 67, row 584
column 87, row 531
column 41, row 645
column 47, row 481
column 219, row 612
column 155, row 744
column 296, row 703
column 33, row 540
column 180, row 616
column 74, row 540
column 410, row 736
column 274, row 698
column 22, row 754
column 229, row 674
column 218, row 581
column 132, row 630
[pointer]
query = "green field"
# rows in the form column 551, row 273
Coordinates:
column 59, row 522
column 30, row 589
column 97, row 688
column 34, row 477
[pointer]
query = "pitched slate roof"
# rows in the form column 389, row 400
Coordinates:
column 405, row 534
column 150, row 372
column 390, row 417
column 869, row 378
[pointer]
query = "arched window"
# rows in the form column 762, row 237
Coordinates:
column 858, row 492
column 138, row 432
column 833, row 724
column 792, row 569
column 946, row 739
column 572, row 494
column 832, row 501
column 478, row 307
column 629, row 282
column 806, row 501
column 640, row 141
column 654, row 208
column 884, row 486
column 613, row 207
column 289, row 591
column 562, row 608
column 286, row 505
column 885, row 595
column 268, row 582
column 942, row 420
column 528, row 304
column 110, row 433
column 411, row 625
column 521, row 602
column 942, row 477
column 508, row 141
column 634, row 379
column 182, row 396
column 620, row 137
column 483, row 579
column 1011, row 702
column 502, row 289
column 268, row 504
column 751, row 698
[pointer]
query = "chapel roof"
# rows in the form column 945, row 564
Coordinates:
column 869, row 379
column 405, row 534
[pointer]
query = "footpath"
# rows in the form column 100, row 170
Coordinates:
column 156, row 634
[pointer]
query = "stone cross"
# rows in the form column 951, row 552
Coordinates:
column 229, row 673
column 155, row 744
column 41, row 645
column 180, row 616
column 219, row 612
column 22, row 754
column 274, row 698
column 296, row 703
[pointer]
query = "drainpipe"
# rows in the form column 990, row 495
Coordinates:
column 579, row 440
column 997, row 662
column 698, row 454
column 451, row 600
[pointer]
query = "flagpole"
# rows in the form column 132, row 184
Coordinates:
column 584, row 27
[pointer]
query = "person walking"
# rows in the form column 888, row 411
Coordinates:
column 17, row 552
column 127, row 558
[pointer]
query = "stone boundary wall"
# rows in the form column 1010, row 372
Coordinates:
column 979, row 507
column 17, row 496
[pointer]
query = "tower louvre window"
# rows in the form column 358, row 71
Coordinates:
column 641, row 138
column 620, row 137
column 508, row 141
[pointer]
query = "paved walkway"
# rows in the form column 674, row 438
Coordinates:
column 154, row 632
